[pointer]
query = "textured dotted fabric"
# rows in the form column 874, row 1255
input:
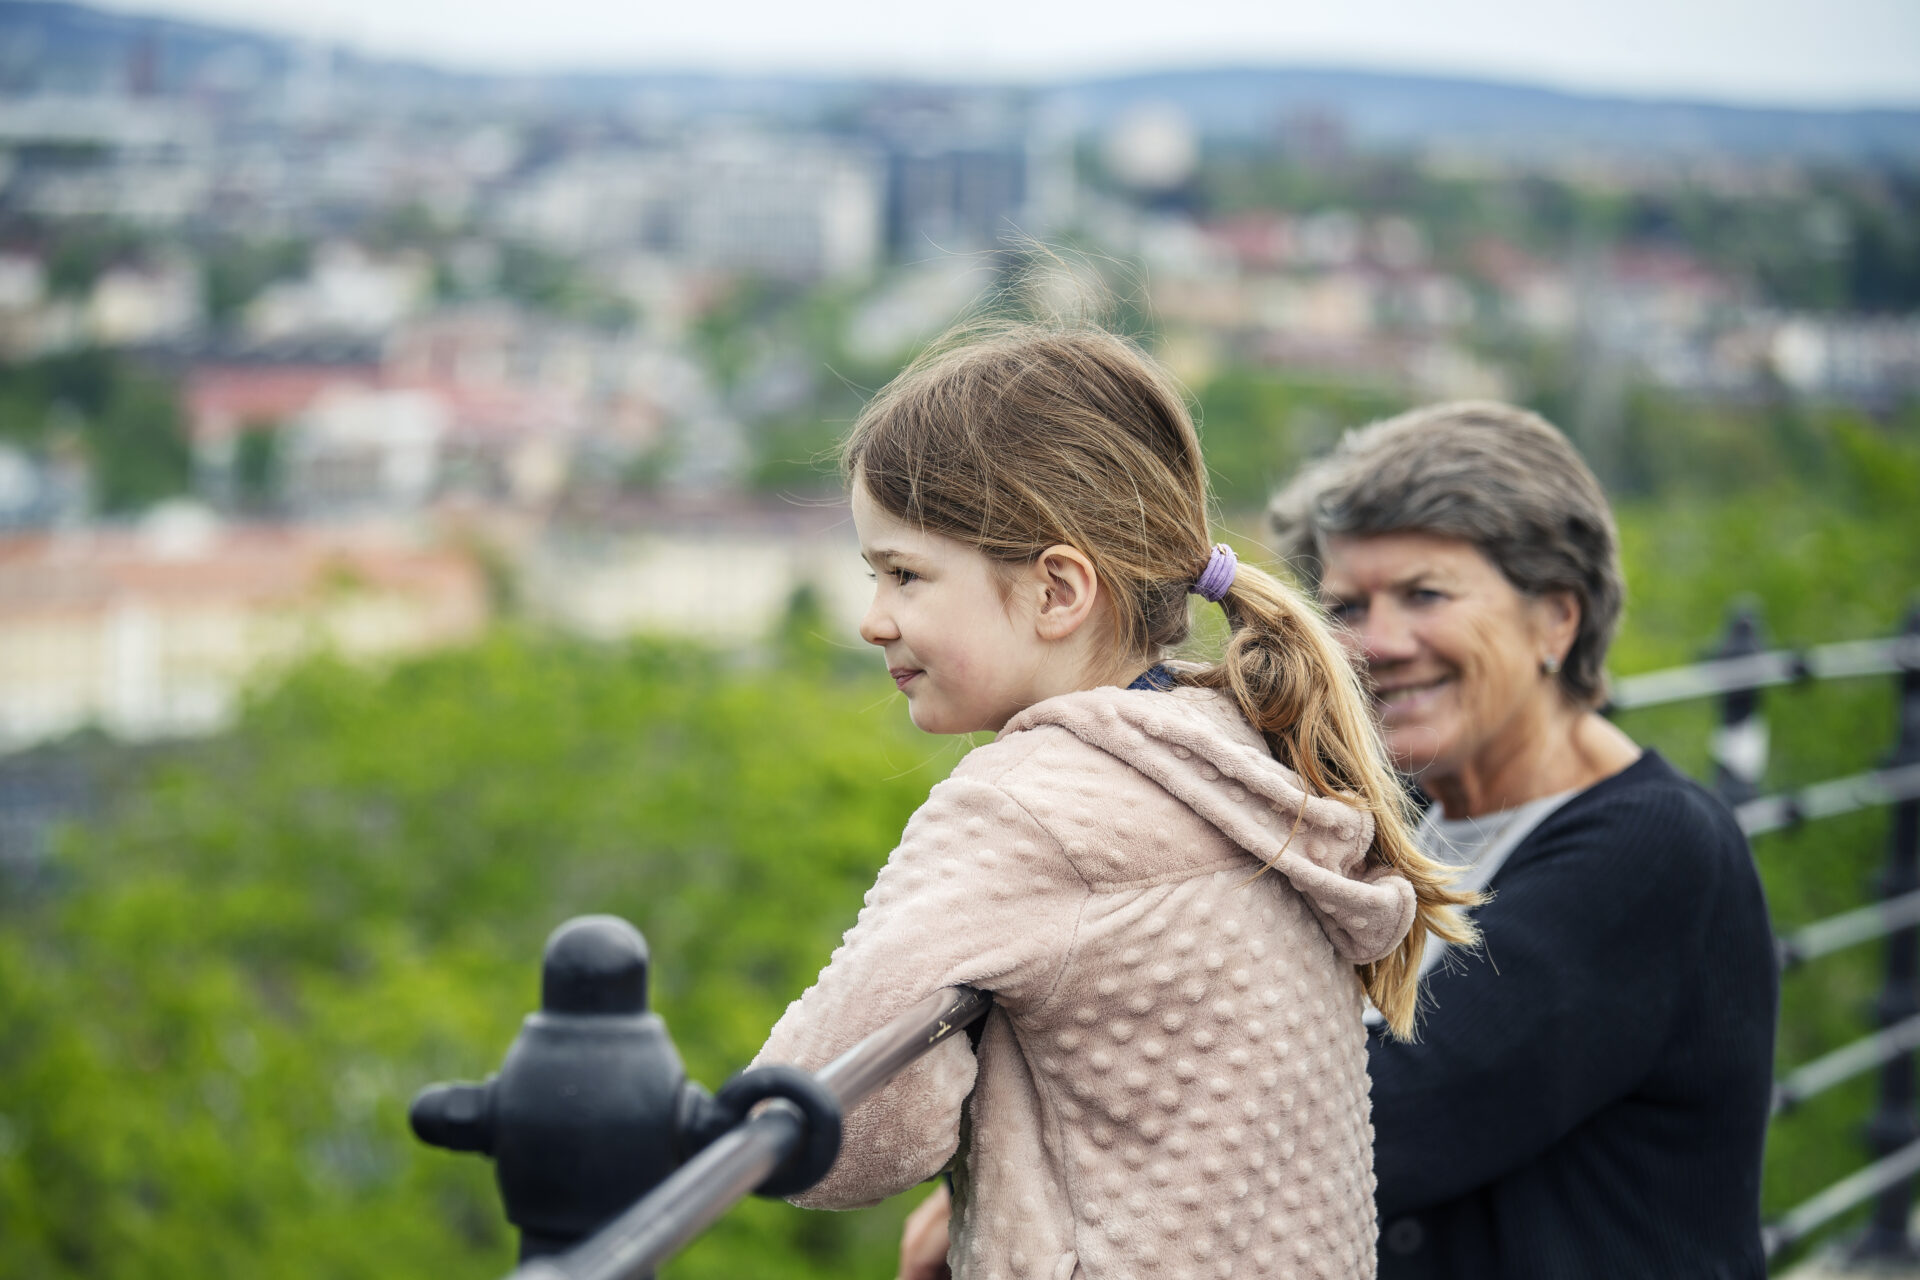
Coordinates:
column 1172, row 1082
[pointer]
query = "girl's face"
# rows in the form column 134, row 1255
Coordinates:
column 968, row 654
column 1451, row 649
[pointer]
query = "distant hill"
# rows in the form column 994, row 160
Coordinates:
column 49, row 46
column 1387, row 108
column 55, row 48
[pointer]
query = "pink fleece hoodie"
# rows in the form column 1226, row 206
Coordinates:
column 1172, row 1082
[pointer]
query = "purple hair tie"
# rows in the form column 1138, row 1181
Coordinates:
column 1214, row 580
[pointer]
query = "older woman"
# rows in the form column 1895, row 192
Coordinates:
column 1589, row 1092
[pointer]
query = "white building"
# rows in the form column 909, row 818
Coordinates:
column 794, row 208
column 781, row 207
column 158, row 302
column 1848, row 355
column 347, row 290
column 156, row 631
column 359, row 451
column 720, row 570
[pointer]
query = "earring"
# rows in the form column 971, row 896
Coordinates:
column 1550, row 665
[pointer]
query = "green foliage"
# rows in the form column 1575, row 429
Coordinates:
column 214, row 1025
column 222, row 998
column 238, row 269
column 1845, row 239
column 559, row 286
column 256, row 467
column 82, row 249
column 1839, row 562
column 1258, row 426
column 797, row 456
column 125, row 420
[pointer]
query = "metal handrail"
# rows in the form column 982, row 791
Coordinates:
column 1766, row 670
column 1809, row 1216
column 1849, row 929
column 1737, row 673
column 1829, row 799
column 701, row 1191
column 1846, row 1062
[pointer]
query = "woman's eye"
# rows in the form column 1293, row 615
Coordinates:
column 1343, row 610
column 1425, row 595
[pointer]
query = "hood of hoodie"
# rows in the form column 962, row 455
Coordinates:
column 1197, row 746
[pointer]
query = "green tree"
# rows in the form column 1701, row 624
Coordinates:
column 215, row 1022
column 127, row 421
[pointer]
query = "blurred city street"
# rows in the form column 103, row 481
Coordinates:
column 262, row 291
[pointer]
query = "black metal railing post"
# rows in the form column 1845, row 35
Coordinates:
column 703, row 1189
column 608, row 1158
column 592, row 1109
column 585, row 1114
column 1735, row 674
column 1895, row 1124
column 1740, row 743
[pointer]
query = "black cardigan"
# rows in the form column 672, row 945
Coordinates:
column 1589, row 1095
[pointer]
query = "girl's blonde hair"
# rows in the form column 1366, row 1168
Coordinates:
column 1027, row 436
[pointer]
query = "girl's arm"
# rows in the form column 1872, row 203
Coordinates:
column 977, row 893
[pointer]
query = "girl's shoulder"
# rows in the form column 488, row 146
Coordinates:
column 1101, row 766
column 1108, row 714
column 1191, row 744
column 1094, row 732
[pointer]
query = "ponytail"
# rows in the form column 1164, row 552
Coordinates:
column 1294, row 683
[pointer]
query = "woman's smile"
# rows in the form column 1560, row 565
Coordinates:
column 1450, row 648
column 1407, row 699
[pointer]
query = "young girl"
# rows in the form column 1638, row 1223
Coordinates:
column 1178, row 883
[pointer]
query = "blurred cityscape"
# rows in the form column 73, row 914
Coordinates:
column 302, row 349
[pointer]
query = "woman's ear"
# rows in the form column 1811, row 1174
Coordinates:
column 1557, row 617
column 1068, row 589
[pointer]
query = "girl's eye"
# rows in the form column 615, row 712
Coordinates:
column 903, row 576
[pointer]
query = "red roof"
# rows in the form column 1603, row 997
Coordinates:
column 259, row 566
column 222, row 400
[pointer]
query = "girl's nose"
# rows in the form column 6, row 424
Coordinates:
column 876, row 627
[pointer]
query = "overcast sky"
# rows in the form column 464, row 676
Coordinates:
column 1814, row 52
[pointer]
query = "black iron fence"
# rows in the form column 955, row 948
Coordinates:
column 610, row 1160
column 1738, row 674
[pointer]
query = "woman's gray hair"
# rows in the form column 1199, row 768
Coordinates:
column 1489, row 474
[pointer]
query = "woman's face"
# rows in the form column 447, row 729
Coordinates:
column 1451, row 649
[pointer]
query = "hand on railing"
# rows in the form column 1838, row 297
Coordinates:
column 925, row 1239
column 609, row 1159
column 592, row 1108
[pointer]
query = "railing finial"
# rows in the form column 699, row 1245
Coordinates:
column 583, row 1118
column 1740, row 744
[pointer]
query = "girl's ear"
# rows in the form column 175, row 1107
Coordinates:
column 1067, row 588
